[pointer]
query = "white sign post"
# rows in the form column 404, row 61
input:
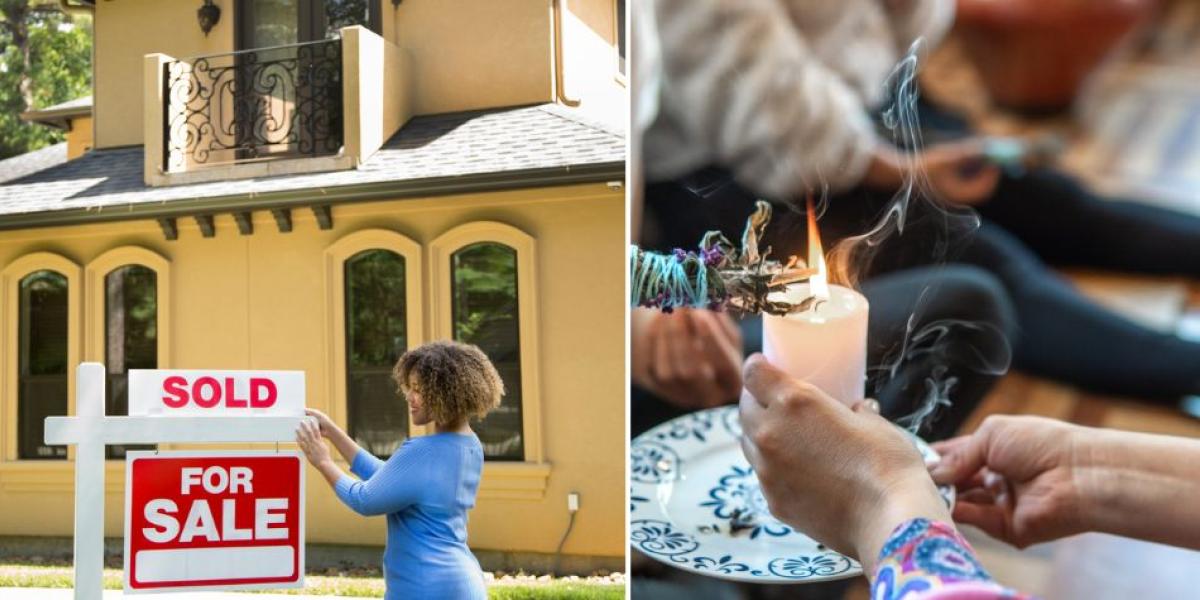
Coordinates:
column 90, row 430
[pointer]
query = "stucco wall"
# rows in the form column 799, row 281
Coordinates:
column 591, row 70
column 259, row 302
column 470, row 54
column 126, row 31
column 79, row 138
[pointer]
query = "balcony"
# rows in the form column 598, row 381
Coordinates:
column 300, row 108
column 253, row 105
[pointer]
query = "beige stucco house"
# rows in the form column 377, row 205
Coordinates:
column 319, row 186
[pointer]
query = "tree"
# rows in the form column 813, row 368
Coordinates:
column 45, row 59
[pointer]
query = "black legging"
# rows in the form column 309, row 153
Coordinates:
column 1064, row 335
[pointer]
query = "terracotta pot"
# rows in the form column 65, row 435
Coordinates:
column 1034, row 55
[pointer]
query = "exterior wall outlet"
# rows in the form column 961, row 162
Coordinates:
column 573, row 502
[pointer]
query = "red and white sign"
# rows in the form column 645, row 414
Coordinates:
column 217, row 393
column 213, row 520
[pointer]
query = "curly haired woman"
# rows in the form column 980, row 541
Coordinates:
column 429, row 484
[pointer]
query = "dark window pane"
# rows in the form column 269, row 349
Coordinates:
column 344, row 13
column 272, row 23
column 376, row 336
column 42, row 361
column 484, row 279
column 130, row 336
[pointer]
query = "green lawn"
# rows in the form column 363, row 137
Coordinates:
column 368, row 587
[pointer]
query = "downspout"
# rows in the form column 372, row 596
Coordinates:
column 560, row 87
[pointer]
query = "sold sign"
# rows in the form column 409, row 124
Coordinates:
column 213, row 520
column 218, row 393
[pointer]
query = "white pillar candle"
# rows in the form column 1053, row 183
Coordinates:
column 826, row 345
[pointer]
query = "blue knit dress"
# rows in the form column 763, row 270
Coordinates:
column 425, row 489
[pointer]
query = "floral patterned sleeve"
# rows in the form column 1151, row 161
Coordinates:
column 929, row 560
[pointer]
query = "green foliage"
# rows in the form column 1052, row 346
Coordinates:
column 133, row 289
column 59, row 69
column 375, row 308
column 485, row 291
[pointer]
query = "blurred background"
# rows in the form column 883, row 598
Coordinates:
column 1115, row 84
column 1119, row 81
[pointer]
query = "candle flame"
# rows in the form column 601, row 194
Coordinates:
column 818, row 284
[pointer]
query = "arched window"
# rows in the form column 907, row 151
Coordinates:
column 127, row 294
column 42, row 360
column 485, row 312
column 376, row 325
column 130, row 335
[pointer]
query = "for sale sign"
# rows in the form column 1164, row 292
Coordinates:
column 213, row 520
column 217, row 393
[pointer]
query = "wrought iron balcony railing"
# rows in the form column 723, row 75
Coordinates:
column 253, row 105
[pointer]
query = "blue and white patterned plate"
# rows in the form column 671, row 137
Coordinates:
column 688, row 478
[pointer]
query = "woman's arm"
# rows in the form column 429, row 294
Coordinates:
column 396, row 485
column 1027, row 480
column 1155, row 477
column 929, row 560
column 741, row 88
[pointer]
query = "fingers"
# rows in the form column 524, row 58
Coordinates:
column 963, row 460
column 992, row 519
column 732, row 333
column 963, row 149
column 683, row 345
column 763, row 380
column 751, row 413
column 307, row 434
column 722, row 355
column 752, row 455
column 773, row 388
column 869, row 406
column 662, row 367
column 945, row 447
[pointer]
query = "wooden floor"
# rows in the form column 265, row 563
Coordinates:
column 1116, row 153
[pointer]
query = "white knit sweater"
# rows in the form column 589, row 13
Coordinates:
column 775, row 90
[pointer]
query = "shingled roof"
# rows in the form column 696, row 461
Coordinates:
column 22, row 165
column 440, row 154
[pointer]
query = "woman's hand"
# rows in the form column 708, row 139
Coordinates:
column 958, row 172
column 323, row 421
column 1019, row 478
column 308, row 436
column 690, row 357
column 847, row 477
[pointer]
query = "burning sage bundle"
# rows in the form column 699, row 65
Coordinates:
column 719, row 276
column 813, row 330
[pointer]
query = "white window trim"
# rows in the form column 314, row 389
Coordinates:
column 10, row 279
column 336, row 256
column 508, row 480
column 94, row 298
